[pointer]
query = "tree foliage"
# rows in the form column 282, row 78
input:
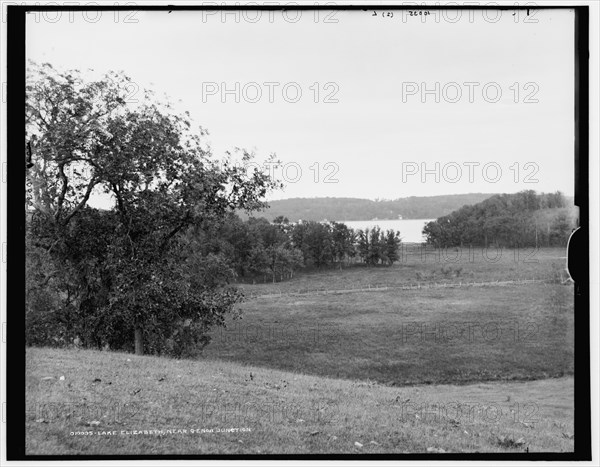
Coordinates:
column 261, row 249
column 131, row 269
column 510, row 220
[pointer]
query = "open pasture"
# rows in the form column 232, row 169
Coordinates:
column 426, row 265
column 427, row 336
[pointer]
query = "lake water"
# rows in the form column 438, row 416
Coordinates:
column 410, row 229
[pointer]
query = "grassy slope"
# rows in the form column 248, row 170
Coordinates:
column 286, row 412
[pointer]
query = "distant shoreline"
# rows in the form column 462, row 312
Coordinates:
column 360, row 209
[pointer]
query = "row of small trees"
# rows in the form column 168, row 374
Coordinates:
column 274, row 251
column 375, row 246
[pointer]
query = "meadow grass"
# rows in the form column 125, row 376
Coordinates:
column 403, row 337
column 410, row 336
column 424, row 266
column 284, row 412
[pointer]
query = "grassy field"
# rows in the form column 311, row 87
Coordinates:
column 418, row 265
column 409, row 337
column 403, row 337
column 93, row 402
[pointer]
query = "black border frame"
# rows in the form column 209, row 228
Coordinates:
column 16, row 63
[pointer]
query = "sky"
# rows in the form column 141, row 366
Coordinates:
column 353, row 104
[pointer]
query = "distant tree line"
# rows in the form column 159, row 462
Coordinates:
column 508, row 220
column 356, row 209
column 257, row 248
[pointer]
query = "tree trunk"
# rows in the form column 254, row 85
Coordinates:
column 139, row 340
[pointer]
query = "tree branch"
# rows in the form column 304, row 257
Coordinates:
column 171, row 234
column 82, row 203
column 63, row 191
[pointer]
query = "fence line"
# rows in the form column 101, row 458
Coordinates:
column 417, row 286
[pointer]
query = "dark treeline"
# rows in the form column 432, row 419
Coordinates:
column 357, row 209
column 507, row 220
column 259, row 249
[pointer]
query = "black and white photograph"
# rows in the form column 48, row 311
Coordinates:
column 300, row 231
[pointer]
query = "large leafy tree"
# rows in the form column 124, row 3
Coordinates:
column 131, row 272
